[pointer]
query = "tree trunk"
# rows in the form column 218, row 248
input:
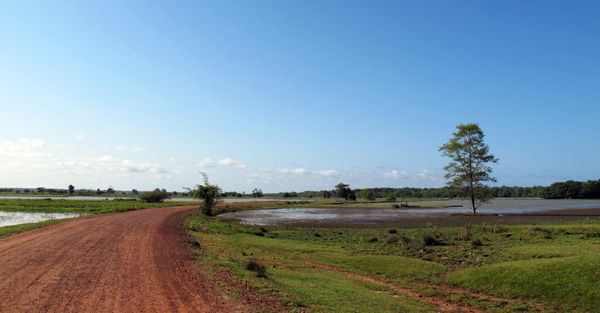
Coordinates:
column 473, row 204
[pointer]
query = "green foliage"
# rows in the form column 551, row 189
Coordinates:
column 367, row 194
column 208, row 193
column 573, row 190
column 468, row 169
column 390, row 197
column 343, row 191
column 155, row 196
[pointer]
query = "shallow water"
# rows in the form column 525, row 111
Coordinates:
column 16, row 218
column 362, row 216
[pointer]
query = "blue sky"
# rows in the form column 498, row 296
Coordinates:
column 294, row 95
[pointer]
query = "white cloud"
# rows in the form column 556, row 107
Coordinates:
column 230, row 162
column 111, row 164
column 79, row 137
column 25, row 149
column 206, row 163
column 122, row 149
column 327, row 173
column 138, row 149
column 32, row 143
column 396, row 174
column 300, row 171
column 423, row 175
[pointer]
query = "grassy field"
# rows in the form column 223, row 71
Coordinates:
column 70, row 206
column 79, row 206
column 496, row 268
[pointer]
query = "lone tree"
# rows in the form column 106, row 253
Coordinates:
column 209, row 194
column 257, row 193
column 71, row 189
column 468, row 169
column 343, row 190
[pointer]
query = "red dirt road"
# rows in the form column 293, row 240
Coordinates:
column 124, row 262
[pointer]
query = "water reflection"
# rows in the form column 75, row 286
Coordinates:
column 16, row 218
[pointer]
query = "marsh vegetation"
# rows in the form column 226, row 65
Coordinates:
column 544, row 267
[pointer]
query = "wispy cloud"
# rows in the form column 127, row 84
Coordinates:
column 138, row 149
column 423, row 175
column 111, row 164
column 25, row 149
column 79, row 137
column 122, row 149
column 207, row 163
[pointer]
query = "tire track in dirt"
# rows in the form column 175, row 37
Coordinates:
column 123, row 262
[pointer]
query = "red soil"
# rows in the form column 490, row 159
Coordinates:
column 125, row 262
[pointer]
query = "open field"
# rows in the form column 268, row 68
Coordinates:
column 543, row 264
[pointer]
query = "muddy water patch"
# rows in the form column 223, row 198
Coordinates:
column 16, row 218
column 502, row 210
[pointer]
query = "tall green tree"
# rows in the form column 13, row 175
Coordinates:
column 343, row 190
column 469, row 168
column 208, row 193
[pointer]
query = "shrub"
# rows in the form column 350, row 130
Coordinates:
column 391, row 239
column 476, row 242
column 405, row 240
column 372, row 239
column 392, row 231
column 155, row 196
column 255, row 266
column 463, row 234
column 427, row 239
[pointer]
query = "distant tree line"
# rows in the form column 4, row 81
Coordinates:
column 573, row 190
column 560, row 190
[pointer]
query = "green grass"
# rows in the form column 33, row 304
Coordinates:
column 78, row 206
column 336, row 292
column 7, row 230
column 566, row 283
column 69, row 206
column 553, row 265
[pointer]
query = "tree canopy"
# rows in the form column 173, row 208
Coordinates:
column 208, row 193
column 343, row 190
column 468, row 169
column 154, row 196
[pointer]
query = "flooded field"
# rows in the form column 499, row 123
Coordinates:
column 510, row 211
column 16, row 218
